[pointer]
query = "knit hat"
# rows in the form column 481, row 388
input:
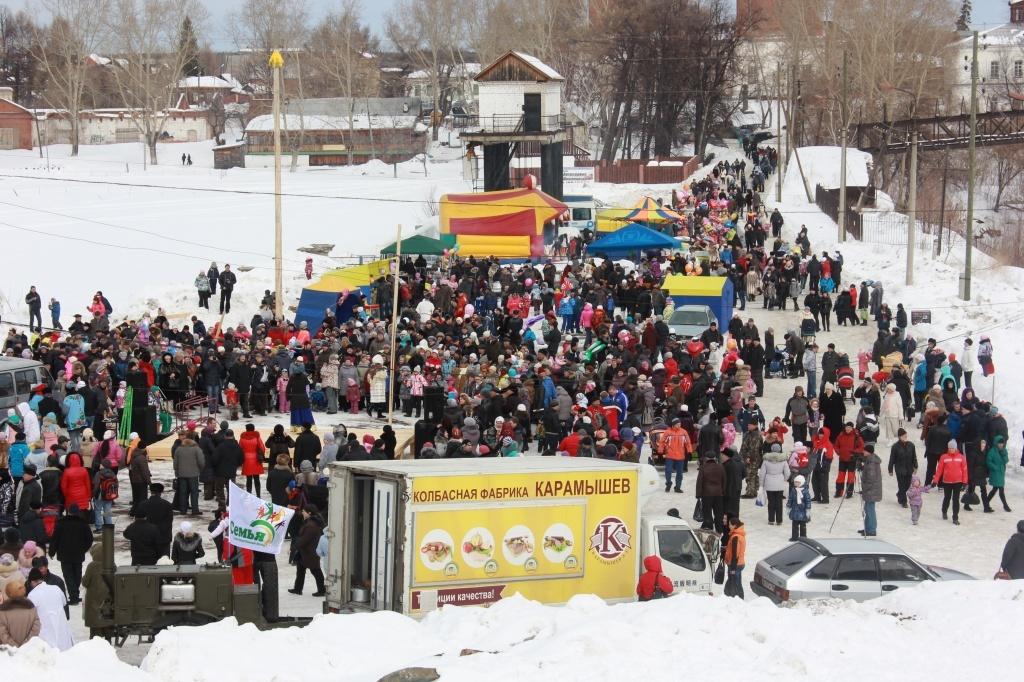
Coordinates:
column 108, row 434
column 798, row 481
column 306, row 465
column 186, row 527
column 776, row 447
column 951, row 444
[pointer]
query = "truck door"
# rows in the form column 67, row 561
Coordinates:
column 385, row 496
column 683, row 559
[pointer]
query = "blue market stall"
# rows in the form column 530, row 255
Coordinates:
column 714, row 292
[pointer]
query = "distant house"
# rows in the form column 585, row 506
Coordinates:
column 201, row 91
column 383, row 128
column 1000, row 65
column 15, row 122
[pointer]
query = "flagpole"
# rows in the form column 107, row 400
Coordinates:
column 276, row 63
column 394, row 325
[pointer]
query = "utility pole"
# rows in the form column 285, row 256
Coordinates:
column 969, row 231
column 942, row 205
column 778, row 133
column 912, row 223
column 276, row 62
column 842, row 158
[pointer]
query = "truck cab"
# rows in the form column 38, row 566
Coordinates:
column 687, row 556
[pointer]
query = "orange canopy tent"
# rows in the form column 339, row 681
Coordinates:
column 505, row 223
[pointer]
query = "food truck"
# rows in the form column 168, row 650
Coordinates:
column 414, row 535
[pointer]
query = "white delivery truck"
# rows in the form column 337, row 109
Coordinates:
column 413, row 535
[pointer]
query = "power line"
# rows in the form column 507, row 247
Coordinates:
column 121, row 246
column 141, row 231
column 298, row 195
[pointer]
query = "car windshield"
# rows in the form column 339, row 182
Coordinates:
column 689, row 317
column 789, row 560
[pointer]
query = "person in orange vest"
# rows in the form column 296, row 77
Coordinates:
column 676, row 446
column 951, row 476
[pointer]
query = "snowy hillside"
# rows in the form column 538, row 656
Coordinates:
column 998, row 291
column 142, row 235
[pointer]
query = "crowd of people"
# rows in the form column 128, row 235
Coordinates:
column 497, row 360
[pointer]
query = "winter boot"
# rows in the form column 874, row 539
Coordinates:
column 849, row 490
column 839, row 490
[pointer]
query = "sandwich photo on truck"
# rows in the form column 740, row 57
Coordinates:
column 414, row 535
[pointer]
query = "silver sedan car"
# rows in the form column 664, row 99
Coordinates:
column 856, row 568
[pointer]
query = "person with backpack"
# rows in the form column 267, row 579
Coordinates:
column 104, row 483
column 653, row 584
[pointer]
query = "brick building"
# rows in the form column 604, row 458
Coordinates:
column 15, row 122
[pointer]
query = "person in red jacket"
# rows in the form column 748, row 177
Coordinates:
column 822, row 454
column 951, row 475
column 848, row 446
column 651, row 579
column 571, row 444
column 253, row 451
column 75, row 483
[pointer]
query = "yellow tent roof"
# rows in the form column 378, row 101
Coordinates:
column 351, row 277
column 611, row 219
column 682, row 285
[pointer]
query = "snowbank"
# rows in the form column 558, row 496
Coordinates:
column 725, row 639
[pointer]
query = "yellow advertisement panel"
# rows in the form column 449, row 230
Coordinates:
column 548, row 536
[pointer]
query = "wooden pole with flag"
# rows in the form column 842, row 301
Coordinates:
column 394, row 323
column 276, row 63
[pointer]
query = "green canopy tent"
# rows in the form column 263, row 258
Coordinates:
column 418, row 245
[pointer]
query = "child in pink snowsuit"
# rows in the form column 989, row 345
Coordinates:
column 863, row 358
column 352, row 394
column 282, row 393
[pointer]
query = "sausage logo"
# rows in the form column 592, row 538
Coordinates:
column 610, row 538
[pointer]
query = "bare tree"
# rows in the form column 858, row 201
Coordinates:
column 1006, row 167
column 342, row 50
column 150, row 59
column 262, row 26
column 428, row 33
column 76, row 31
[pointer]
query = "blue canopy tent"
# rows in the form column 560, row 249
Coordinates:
column 714, row 292
column 631, row 239
column 340, row 290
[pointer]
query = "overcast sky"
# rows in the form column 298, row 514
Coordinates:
column 986, row 13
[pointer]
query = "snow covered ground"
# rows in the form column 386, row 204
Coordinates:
column 586, row 640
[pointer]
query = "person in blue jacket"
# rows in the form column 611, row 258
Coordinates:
column 920, row 385
column 567, row 311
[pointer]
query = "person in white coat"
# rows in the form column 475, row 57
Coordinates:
column 49, row 601
column 969, row 361
column 892, row 412
column 31, row 423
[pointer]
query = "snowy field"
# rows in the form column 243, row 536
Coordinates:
column 728, row 639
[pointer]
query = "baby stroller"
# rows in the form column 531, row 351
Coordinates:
column 844, row 382
column 779, row 363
